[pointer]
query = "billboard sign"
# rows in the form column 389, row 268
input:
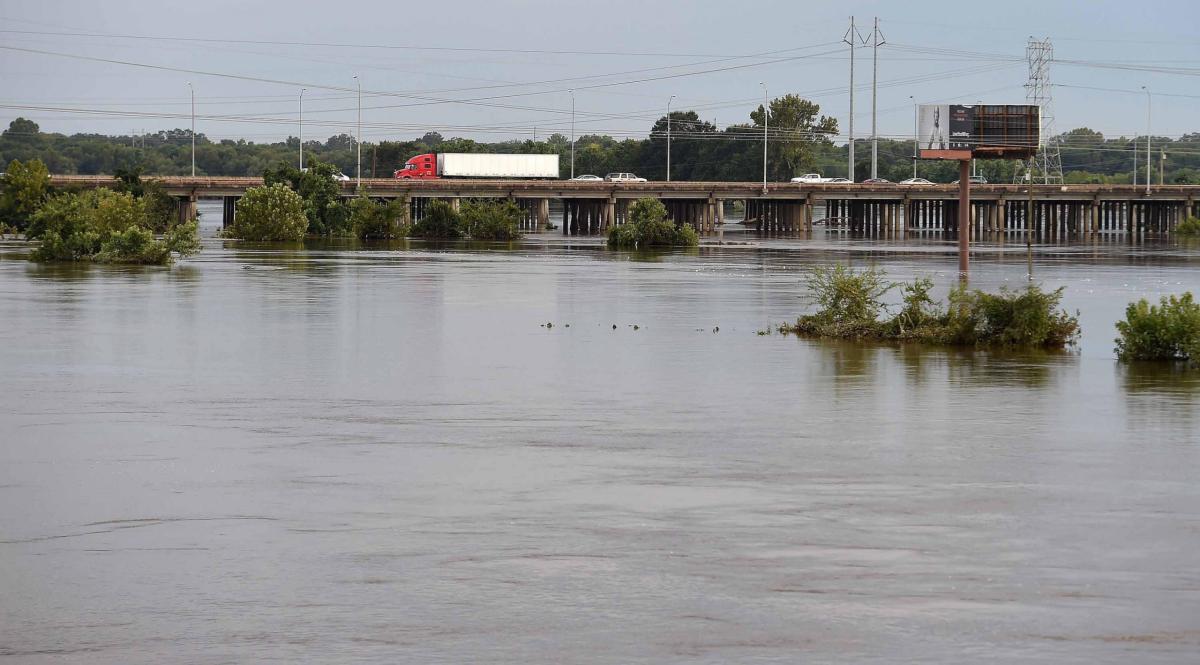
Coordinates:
column 957, row 131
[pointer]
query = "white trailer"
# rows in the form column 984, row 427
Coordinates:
column 480, row 165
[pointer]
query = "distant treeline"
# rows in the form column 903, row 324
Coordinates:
column 800, row 143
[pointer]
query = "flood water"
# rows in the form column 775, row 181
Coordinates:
column 336, row 454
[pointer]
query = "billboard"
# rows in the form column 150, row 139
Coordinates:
column 958, row 131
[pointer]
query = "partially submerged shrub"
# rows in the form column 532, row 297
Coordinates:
column 270, row 212
column 1189, row 227
column 373, row 220
column 441, row 222
column 108, row 227
column 1167, row 331
column 850, row 305
column 648, row 227
column 492, row 220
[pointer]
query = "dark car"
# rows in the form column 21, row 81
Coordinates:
column 877, row 181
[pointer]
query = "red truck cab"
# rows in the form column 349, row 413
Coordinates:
column 421, row 167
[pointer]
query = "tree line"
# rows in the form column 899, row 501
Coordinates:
column 801, row 141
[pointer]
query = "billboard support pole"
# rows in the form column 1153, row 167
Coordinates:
column 964, row 218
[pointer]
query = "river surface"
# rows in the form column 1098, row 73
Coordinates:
column 337, row 454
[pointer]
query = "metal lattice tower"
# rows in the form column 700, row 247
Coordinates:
column 1048, row 163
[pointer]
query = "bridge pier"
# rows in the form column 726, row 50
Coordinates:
column 186, row 208
column 228, row 210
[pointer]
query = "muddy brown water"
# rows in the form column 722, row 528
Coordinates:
column 330, row 453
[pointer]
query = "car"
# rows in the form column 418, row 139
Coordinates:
column 588, row 178
column 336, row 175
column 974, row 180
column 623, row 177
column 916, row 181
column 810, row 178
column 839, row 181
column 877, row 181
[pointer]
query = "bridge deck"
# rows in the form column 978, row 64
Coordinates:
column 186, row 186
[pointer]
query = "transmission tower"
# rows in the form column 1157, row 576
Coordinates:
column 1047, row 165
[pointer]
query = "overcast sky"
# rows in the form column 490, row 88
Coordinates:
column 494, row 69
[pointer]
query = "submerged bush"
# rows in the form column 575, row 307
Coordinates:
column 1189, row 227
column 648, row 227
column 441, row 222
column 492, row 220
column 372, row 220
column 850, row 305
column 272, row 212
column 1167, row 331
column 108, row 227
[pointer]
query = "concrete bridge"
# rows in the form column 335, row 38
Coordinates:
column 1052, row 211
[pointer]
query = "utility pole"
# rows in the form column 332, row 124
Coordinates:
column 1162, row 163
column 192, row 91
column 850, row 38
column 1148, row 171
column 765, row 115
column 669, row 137
column 572, row 134
column 302, row 90
column 915, row 131
column 358, row 167
column 876, row 41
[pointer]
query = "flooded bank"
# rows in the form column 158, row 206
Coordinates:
column 339, row 453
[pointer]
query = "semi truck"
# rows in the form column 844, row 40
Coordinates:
column 478, row 165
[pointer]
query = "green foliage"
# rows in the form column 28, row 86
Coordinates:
column 649, row 227
column 1189, row 227
column 105, row 226
column 372, row 220
column 323, row 206
column 133, row 245
column 492, row 220
column 441, row 222
column 25, row 187
column 271, row 212
column 160, row 208
column 1167, row 331
column 850, row 304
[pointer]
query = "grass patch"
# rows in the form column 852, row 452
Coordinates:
column 850, row 306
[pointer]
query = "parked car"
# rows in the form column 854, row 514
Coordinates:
column 877, row 181
column 623, row 177
column 916, row 181
column 588, row 178
column 974, row 180
column 810, row 178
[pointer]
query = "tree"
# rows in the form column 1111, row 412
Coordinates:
column 372, row 220
column 105, row 226
column 492, row 220
column 431, row 139
column 441, row 222
column 323, row 206
column 648, row 227
column 271, row 212
column 25, row 186
column 794, row 126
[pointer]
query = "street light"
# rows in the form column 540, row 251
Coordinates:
column 764, row 87
column 1147, row 138
column 572, row 133
column 915, row 139
column 192, row 91
column 302, row 91
column 358, row 168
column 669, row 138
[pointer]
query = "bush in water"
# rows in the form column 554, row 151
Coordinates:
column 1167, row 331
column 649, row 227
column 271, row 212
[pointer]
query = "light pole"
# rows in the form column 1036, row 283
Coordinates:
column 302, row 91
column 669, row 137
column 358, row 168
column 192, row 91
column 915, row 139
column 764, row 87
column 572, row 133
column 1147, row 138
